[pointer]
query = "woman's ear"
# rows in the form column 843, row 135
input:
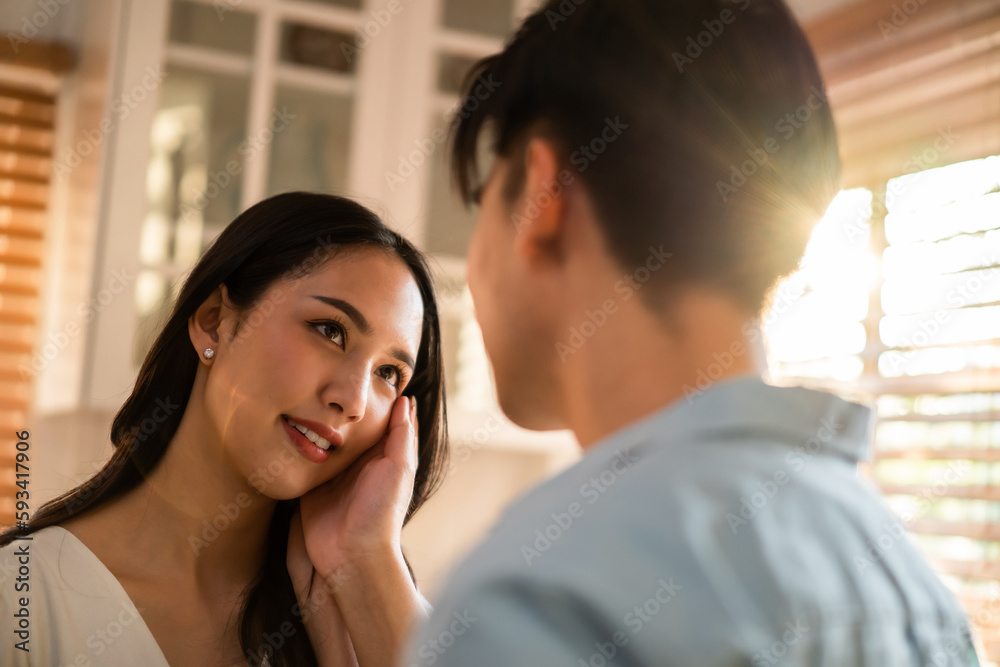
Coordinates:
column 203, row 325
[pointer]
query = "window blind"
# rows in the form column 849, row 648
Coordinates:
column 914, row 88
column 937, row 352
column 26, row 137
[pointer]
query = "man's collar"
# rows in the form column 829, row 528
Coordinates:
column 744, row 406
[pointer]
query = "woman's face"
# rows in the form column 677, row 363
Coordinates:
column 330, row 352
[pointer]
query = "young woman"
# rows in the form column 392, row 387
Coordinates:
column 287, row 422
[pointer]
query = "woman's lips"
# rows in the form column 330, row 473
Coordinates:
column 305, row 446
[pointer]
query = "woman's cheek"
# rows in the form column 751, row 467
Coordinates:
column 376, row 429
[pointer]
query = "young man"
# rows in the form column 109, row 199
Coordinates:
column 657, row 167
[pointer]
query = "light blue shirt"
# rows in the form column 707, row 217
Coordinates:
column 729, row 528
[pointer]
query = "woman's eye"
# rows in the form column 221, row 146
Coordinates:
column 333, row 331
column 390, row 374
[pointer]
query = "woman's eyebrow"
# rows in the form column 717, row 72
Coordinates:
column 361, row 322
column 405, row 357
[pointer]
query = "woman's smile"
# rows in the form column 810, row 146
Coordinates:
column 310, row 444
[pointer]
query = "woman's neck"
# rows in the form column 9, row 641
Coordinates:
column 193, row 519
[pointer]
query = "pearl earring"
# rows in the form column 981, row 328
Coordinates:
column 209, row 353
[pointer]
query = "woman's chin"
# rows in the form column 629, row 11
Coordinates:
column 291, row 483
column 283, row 487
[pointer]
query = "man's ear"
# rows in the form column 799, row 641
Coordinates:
column 540, row 220
column 203, row 325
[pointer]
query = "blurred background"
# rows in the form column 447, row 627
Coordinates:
column 132, row 132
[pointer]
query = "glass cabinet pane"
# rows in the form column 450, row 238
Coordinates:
column 312, row 46
column 451, row 72
column 350, row 4
column 310, row 150
column 449, row 224
column 199, row 24
column 488, row 17
column 199, row 148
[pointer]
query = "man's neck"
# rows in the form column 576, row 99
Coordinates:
column 639, row 365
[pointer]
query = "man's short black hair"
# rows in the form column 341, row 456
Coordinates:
column 699, row 125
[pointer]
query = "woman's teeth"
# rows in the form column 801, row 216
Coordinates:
column 314, row 437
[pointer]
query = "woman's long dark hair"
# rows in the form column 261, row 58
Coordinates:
column 283, row 237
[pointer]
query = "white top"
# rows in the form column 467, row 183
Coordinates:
column 77, row 612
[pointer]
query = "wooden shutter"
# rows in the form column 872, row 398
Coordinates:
column 26, row 137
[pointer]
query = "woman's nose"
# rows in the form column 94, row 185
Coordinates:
column 349, row 393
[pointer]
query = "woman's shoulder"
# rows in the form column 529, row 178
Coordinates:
column 71, row 604
column 54, row 568
column 40, row 559
column 29, row 574
column 42, row 541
